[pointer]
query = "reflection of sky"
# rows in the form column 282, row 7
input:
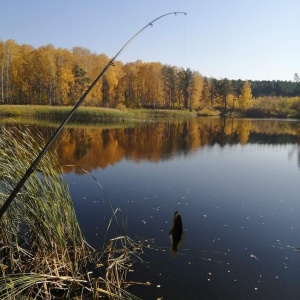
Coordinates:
column 240, row 209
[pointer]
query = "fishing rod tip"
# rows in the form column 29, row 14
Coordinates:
column 175, row 13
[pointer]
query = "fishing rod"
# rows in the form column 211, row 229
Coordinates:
column 59, row 129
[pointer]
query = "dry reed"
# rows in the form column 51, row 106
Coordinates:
column 43, row 254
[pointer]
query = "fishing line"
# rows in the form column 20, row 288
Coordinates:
column 32, row 167
column 190, row 253
column 114, row 211
column 184, row 43
column 66, row 132
column 179, row 178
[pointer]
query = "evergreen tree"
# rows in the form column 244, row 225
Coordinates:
column 81, row 81
column 186, row 80
column 225, row 88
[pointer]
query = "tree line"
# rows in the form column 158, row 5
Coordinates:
column 56, row 76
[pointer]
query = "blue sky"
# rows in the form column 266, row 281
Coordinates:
column 236, row 39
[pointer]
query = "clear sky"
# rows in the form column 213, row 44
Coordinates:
column 236, row 39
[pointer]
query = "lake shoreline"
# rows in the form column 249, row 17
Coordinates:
column 248, row 114
column 100, row 114
column 92, row 113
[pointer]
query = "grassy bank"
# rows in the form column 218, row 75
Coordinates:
column 90, row 113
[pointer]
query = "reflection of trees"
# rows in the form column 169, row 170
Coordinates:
column 82, row 143
column 97, row 147
column 243, row 130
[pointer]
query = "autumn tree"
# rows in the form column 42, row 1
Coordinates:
column 205, row 96
column 50, row 76
column 245, row 99
column 119, row 89
column 7, row 52
column 197, row 87
column 25, row 78
column 65, row 77
column 214, row 96
column 169, row 86
column 110, row 82
column 95, row 98
column 50, row 79
column 152, row 85
column 130, row 81
column 230, row 101
column 83, row 57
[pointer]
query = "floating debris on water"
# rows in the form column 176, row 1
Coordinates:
column 253, row 256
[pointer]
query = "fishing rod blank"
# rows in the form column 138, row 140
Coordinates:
column 59, row 129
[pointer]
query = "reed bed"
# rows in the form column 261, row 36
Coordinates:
column 120, row 256
column 43, row 254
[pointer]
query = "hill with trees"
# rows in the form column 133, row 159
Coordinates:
column 56, row 76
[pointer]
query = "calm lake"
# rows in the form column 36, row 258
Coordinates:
column 235, row 183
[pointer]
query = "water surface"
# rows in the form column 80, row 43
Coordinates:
column 234, row 182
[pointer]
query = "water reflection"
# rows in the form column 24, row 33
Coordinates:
column 235, row 182
column 97, row 147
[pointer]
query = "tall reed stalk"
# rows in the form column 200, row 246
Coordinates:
column 43, row 254
column 39, row 233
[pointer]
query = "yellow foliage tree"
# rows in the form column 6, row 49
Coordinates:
column 230, row 101
column 64, row 62
column 245, row 99
column 197, row 90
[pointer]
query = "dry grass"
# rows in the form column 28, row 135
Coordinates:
column 43, row 254
column 119, row 256
column 84, row 113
